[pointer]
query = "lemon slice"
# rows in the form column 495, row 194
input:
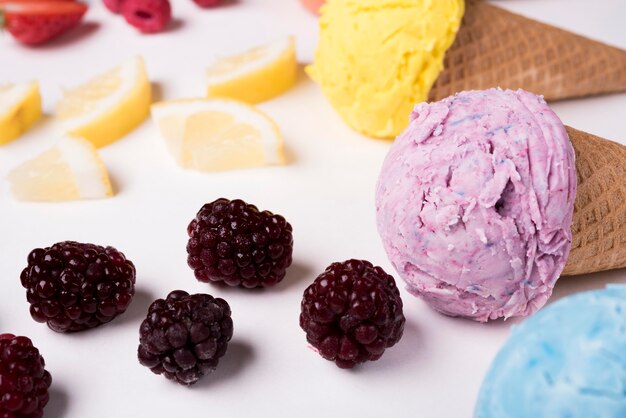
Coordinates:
column 109, row 106
column 20, row 108
column 218, row 134
column 71, row 170
column 256, row 75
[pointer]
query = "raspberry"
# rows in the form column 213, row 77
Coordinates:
column 149, row 16
column 352, row 312
column 114, row 6
column 207, row 3
column 234, row 243
column 24, row 381
column 184, row 336
column 73, row 286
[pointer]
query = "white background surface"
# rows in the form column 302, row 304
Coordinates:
column 326, row 192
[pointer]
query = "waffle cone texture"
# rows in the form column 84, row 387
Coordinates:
column 497, row 48
column 599, row 226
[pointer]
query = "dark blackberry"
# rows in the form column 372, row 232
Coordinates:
column 73, row 286
column 234, row 243
column 24, row 381
column 184, row 336
column 352, row 312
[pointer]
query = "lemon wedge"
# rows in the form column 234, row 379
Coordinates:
column 71, row 170
column 256, row 75
column 109, row 106
column 218, row 134
column 20, row 108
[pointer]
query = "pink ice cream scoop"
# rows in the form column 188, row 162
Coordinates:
column 475, row 200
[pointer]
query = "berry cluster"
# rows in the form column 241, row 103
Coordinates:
column 24, row 381
column 235, row 243
column 184, row 336
column 73, row 286
column 352, row 312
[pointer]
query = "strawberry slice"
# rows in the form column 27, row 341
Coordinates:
column 33, row 22
column 31, row 1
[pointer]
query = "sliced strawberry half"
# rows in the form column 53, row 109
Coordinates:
column 33, row 22
column 32, row 1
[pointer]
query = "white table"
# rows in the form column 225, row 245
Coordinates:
column 326, row 192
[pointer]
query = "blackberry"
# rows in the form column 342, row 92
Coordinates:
column 235, row 243
column 184, row 336
column 24, row 381
column 352, row 312
column 73, row 286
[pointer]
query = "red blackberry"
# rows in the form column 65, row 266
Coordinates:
column 184, row 336
column 73, row 286
column 233, row 242
column 149, row 16
column 24, row 381
column 114, row 6
column 352, row 312
column 208, row 3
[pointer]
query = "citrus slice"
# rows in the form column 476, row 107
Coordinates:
column 20, row 108
column 71, row 170
column 109, row 106
column 256, row 75
column 218, row 134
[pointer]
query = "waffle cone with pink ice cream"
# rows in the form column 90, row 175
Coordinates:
column 480, row 199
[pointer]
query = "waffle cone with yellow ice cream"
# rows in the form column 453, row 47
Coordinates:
column 377, row 58
column 599, row 226
column 495, row 47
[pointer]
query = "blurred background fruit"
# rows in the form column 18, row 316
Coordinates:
column 20, row 109
column 149, row 16
column 313, row 5
column 208, row 3
column 34, row 22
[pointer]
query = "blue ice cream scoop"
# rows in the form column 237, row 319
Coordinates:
column 566, row 361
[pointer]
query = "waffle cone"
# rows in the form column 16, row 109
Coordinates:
column 497, row 48
column 599, row 227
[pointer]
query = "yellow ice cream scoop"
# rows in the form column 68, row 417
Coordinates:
column 377, row 58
